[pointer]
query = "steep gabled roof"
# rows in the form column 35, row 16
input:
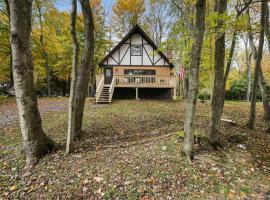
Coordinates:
column 136, row 29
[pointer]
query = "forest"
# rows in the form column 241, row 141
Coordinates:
column 210, row 140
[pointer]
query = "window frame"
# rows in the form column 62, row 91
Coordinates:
column 132, row 52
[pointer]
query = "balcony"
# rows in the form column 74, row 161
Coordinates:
column 145, row 81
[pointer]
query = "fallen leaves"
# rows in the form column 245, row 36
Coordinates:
column 13, row 188
column 127, row 155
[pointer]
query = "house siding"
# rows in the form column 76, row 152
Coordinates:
column 160, row 71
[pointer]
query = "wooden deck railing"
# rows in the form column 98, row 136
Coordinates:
column 111, row 90
column 145, row 81
column 99, row 88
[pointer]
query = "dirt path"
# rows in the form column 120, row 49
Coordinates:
column 9, row 111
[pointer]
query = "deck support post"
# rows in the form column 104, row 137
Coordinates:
column 137, row 94
column 174, row 93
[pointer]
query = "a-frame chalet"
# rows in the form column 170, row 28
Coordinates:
column 135, row 68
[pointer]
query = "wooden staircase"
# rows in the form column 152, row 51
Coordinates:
column 104, row 92
column 104, row 97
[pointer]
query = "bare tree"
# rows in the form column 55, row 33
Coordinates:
column 194, row 78
column 257, row 70
column 35, row 142
column 218, row 89
column 71, row 114
column 85, row 66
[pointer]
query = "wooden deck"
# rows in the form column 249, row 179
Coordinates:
column 104, row 93
column 145, row 81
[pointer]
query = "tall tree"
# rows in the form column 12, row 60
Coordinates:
column 71, row 114
column 267, row 34
column 266, row 27
column 218, row 89
column 194, row 77
column 262, row 82
column 5, row 49
column 35, row 142
column 85, row 66
column 248, row 65
column 102, row 42
column 127, row 13
column 218, row 101
column 157, row 19
column 44, row 51
column 257, row 69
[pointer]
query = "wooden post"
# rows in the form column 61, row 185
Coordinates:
column 174, row 93
column 137, row 93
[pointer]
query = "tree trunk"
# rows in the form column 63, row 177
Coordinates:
column 35, row 142
column 71, row 114
column 185, row 86
column 249, row 71
column 10, row 62
column 211, row 69
column 194, row 78
column 263, row 88
column 268, row 127
column 44, row 52
column 267, row 34
column 85, row 67
column 218, row 90
column 252, row 115
column 266, row 27
column 261, row 79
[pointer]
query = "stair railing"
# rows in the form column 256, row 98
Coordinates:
column 111, row 90
column 99, row 88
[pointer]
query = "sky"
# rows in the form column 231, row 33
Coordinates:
column 64, row 5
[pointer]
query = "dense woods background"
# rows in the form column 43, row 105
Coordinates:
column 169, row 23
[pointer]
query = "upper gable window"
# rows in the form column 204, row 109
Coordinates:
column 136, row 50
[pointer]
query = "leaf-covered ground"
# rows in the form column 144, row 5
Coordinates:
column 131, row 150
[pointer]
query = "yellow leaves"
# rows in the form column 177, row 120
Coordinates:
column 128, row 6
column 13, row 188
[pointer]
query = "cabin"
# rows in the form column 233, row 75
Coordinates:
column 135, row 68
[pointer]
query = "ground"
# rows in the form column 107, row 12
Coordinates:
column 132, row 150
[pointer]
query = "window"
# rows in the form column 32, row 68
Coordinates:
column 108, row 72
column 136, row 50
column 139, row 72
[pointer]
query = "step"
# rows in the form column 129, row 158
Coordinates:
column 103, row 102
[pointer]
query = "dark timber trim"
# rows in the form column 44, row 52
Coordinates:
column 136, row 29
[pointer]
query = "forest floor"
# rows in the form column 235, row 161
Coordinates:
column 132, row 150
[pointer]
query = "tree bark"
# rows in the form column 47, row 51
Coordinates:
column 10, row 64
column 185, row 86
column 194, row 78
column 266, row 27
column 249, row 71
column 45, row 53
column 35, row 142
column 252, row 115
column 85, row 67
column 218, row 90
column 261, row 79
column 75, row 61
